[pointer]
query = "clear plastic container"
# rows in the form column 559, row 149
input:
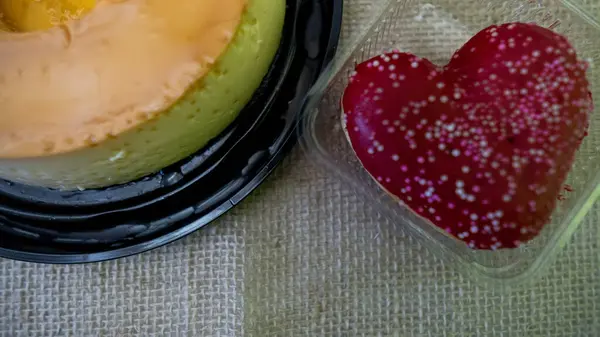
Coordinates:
column 435, row 29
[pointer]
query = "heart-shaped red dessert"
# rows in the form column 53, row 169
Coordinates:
column 481, row 147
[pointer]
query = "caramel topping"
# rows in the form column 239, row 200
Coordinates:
column 32, row 15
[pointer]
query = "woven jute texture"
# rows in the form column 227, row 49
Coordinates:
column 302, row 256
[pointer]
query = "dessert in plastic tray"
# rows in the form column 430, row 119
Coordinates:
column 435, row 29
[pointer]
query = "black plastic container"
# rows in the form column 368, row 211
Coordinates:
column 50, row 226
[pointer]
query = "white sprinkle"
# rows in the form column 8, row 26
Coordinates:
column 474, row 229
column 432, row 98
column 376, row 63
column 444, row 178
column 429, row 192
column 392, row 67
column 460, row 184
column 441, row 85
column 456, row 153
column 457, row 95
column 465, row 169
column 474, row 216
column 395, row 157
column 371, row 151
column 444, row 99
column 414, row 64
column 524, row 71
column 506, row 198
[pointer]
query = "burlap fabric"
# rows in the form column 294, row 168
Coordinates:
column 302, row 256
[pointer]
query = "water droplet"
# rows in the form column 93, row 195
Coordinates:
column 171, row 179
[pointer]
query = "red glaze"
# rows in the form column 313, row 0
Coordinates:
column 481, row 147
